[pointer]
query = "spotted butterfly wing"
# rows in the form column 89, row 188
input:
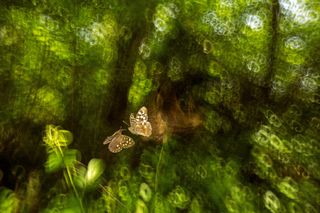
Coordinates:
column 117, row 142
column 122, row 142
column 141, row 129
column 139, row 125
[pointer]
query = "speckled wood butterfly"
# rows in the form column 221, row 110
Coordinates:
column 118, row 141
column 140, row 125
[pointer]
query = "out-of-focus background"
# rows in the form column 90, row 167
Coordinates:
column 231, row 88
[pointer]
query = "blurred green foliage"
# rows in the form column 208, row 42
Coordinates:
column 8, row 200
column 249, row 69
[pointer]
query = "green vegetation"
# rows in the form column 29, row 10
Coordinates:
column 231, row 88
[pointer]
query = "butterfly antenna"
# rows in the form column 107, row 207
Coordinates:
column 126, row 123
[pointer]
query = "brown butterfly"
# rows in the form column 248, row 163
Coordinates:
column 139, row 125
column 118, row 141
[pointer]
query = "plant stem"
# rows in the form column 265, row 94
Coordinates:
column 113, row 197
column 71, row 180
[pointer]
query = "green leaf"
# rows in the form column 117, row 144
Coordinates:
column 95, row 170
column 8, row 200
column 79, row 177
column 71, row 156
column 56, row 161
column 65, row 137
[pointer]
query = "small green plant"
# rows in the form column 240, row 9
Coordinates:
column 78, row 178
column 9, row 201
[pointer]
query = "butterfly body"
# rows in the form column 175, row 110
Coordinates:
column 140, row 125
column 118, row 141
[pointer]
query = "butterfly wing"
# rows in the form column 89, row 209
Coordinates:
column 147, row 129
column 142, row 115
column 110, row 138
column 139, row 125
column 115, row 145
column 133, row 124
column 127, row 142
column 119, row 143
column 144, row 129
column 132, row 120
